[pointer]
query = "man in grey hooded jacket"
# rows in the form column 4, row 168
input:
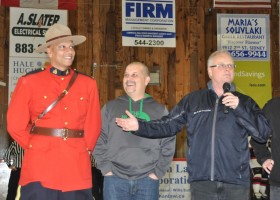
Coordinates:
column 131, row 165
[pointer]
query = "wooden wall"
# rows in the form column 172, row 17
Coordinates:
column 183, row 69
column 4, row 61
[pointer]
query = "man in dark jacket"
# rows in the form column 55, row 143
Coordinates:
column 219, row 120
column 270, row 160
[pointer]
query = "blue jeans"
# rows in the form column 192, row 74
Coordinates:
column 274, row 192
column 213, row 190
column 116, row 188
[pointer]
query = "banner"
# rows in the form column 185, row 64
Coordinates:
column 174, row 186
column 27, row 30
column 148, row 23
column 45, row 4
column 242, row 4
column 247, row 38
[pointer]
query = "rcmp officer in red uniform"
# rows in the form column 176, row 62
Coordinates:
column 54, row 114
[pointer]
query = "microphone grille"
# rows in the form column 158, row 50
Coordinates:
column 226, row 86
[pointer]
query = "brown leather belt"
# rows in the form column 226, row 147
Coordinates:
column 58, row 132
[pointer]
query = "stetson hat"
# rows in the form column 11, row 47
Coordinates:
column 58, row 33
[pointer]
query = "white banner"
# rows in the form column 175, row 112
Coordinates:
column 174, row 186
column 248, row 4
column 245, row 36
column 45, row 4
column 148, row 23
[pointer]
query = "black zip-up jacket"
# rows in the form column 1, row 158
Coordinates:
column 272, row 113
column 217, row 142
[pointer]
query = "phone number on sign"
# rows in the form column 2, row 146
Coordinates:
column 148, row 42
column 249, row 54
column 24, row 48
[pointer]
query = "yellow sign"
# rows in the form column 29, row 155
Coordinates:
column 253, row 78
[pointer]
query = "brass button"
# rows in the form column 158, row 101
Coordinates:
column 62, row 79
column 82, row 98
column 65, row 123
column 45, row 97
column 65, row 108
column 30, row 146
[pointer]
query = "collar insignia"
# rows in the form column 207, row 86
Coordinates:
column 58, row 72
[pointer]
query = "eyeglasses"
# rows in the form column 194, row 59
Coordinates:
column 223, row 66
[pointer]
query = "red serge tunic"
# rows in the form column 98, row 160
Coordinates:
column 58, row 164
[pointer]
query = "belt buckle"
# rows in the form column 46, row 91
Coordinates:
column 65, row 133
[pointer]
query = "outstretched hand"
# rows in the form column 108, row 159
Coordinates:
column 128, row 124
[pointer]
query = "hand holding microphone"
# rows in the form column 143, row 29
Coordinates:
column 229, row 100
column 226, row 87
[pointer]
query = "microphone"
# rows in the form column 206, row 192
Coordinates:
column 226, row 87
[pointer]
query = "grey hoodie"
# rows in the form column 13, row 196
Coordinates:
column 126, row 155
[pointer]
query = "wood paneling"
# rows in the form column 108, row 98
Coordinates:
column 4, row 62
column 183, row 69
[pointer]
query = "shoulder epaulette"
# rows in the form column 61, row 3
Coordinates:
column 82, row 73
column 35, row 71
